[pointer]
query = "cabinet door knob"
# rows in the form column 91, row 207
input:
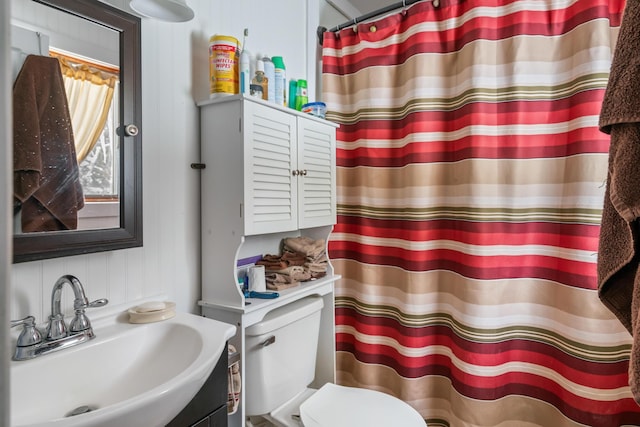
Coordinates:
column 295, row 172
column 131, row 130
column 303, row 172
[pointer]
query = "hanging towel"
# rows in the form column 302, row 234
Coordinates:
column 234, row 384
column 46, row 177
column 618, row 260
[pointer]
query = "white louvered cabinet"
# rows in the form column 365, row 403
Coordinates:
column 269, row 173
column 287, row 161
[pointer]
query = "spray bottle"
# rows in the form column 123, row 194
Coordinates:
column 280, row 83
column 270, row 73
column 301, row 95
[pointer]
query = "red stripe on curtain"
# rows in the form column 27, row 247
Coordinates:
column 574, row 236
column 579, row 275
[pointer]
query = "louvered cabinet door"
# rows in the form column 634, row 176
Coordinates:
column 316, row 174
column 270, row 157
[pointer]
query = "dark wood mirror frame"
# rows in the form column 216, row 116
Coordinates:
column 53, row 244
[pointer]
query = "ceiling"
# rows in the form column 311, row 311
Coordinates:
column 366, row 6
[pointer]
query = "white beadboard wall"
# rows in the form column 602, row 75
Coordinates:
column 174, row 77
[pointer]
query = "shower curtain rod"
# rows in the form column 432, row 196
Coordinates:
column 321, row 30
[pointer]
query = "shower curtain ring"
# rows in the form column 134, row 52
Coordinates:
column 404, row 3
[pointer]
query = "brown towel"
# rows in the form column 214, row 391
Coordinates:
column 317, row 269
column 294, row 258
column 272, row 262
column 46, row 178
column 279, row 282
column 618, row 262
column 295, row 273
column 312, row 249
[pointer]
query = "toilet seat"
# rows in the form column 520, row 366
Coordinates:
column 339, row 406
column 286, row 414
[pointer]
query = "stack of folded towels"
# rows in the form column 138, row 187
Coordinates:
column 302, row 259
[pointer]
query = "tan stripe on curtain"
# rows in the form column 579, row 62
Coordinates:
column 89, row 92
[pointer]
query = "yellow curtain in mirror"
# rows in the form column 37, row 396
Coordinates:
column 90, row 89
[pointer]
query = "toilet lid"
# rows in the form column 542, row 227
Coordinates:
column 338, row 406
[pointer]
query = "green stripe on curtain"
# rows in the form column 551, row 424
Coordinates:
column 470, row 186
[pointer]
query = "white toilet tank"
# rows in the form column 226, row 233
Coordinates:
column 280, row 354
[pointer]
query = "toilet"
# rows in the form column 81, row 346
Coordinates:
column 280, row 364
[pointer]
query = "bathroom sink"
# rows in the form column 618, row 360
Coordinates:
column 129, row 375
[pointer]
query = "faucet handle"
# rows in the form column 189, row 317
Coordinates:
column 81, row 322
column 98, row 303
column 78, row 304
column 30, row 334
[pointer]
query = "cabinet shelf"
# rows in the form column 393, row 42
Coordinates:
column 257, row 308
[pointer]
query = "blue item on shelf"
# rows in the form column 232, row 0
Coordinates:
column 262, row 295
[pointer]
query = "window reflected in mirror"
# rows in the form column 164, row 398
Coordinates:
column 90, row 85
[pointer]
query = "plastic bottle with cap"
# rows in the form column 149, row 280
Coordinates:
column 280, row 81
column 293, row 91
column 261, row 79
column 269, row 72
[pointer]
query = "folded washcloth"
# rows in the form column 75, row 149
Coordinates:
column 278, row 282
column 302, row 259
column 272, row 262
column 294, row 258
column 317, row 269
column 296, row 273
column 307, row 246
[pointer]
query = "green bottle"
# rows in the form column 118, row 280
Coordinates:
column 301, row 94
column 293, row 91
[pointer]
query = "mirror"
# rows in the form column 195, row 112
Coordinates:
column 98, row 164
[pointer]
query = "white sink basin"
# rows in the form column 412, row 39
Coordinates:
column 129, row 375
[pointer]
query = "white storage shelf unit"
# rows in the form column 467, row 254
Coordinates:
column 269, row 174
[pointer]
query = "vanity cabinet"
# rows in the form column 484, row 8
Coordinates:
column 208, row 408
column 268, row 173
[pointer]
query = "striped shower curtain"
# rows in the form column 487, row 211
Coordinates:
column 470, row 187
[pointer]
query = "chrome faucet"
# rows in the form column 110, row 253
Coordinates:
column 30, row 343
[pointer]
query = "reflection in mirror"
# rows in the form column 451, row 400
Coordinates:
column 77, row 178
column 90, row 86
column 89, row 75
